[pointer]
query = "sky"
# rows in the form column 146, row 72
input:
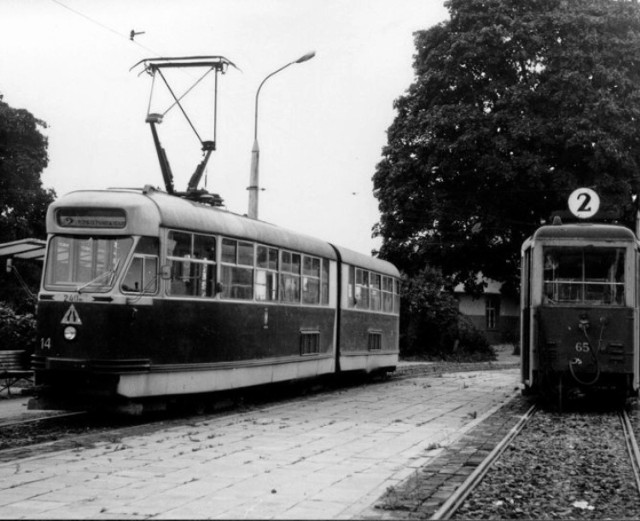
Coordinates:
column 321, row 124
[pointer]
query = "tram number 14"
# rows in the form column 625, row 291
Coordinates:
column 45, row 343
column 582, row 347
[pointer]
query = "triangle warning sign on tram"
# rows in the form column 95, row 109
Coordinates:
column 71, row 317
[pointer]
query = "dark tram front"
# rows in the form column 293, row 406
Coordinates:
column 579, row 316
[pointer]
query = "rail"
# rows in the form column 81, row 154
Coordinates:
column 456, row 499
column 632, row 445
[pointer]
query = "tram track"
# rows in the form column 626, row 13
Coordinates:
column 456, row 500
column 40, row 419
column 583, row 465
column 631, row 442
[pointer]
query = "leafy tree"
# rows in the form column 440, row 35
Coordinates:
column 23, row 200
column 16, row 331
column 514, row 105
column 431, row 325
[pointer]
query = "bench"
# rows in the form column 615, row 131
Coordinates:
column 13, row 369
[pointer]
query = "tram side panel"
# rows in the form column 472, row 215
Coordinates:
column 173, row 346
column 369, row 325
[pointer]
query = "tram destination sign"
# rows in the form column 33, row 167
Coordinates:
column 91, row 218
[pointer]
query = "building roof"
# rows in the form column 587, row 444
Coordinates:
column 492, row 287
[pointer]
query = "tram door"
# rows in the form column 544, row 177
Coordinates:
column 525, row 313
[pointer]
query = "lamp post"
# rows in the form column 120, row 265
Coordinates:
column 255, row 151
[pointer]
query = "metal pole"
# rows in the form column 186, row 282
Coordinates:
column 254, row 186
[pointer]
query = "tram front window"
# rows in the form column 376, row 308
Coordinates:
column 84, row 263
column 584, row 275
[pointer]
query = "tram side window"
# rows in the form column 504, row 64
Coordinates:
column 362, row 289
column 237, row 269
column 310, row 280
column 584, row 275
column 375, row 290
column 325, row 282
column 387, row 294
column 142, row 275
column 266, row 274
column 351, row 296
column 192, row 257
column 290, row 277
column 396, row 295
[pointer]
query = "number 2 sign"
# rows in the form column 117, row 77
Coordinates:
column 584, row 203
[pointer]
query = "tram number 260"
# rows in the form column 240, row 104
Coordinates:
column 582, row 347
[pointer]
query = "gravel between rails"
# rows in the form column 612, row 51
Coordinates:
column 563, row 466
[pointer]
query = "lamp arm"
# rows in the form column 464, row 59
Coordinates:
column 255, row 118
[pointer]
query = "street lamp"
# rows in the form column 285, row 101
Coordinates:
column 255, row 151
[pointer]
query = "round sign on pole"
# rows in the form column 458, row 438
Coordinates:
column 584, row 203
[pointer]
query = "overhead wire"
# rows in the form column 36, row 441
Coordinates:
column 100, row 24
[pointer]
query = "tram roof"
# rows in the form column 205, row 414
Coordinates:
column 149, row 209
column 585, row 231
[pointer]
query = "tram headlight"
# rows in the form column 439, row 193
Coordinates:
column 70, row 333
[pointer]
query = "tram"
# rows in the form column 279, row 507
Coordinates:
column 146, row 297
column 580, row 307
column 149, row 297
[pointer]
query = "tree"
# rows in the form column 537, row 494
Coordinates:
column 431, row 324
column 514, row 105
column 23, row 200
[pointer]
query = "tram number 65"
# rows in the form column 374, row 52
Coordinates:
column 582, row 347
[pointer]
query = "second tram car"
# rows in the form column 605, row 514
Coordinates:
column 580, row 310
column 146, row 296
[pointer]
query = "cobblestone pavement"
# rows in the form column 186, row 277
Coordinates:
column 326, row 456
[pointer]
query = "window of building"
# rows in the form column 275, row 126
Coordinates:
column 492, row 311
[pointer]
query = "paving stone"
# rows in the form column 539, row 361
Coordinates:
column 323, row 456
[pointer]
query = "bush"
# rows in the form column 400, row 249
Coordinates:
column 16, row 331
column 432, row 327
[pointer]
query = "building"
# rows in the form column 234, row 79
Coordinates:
column 495, row 315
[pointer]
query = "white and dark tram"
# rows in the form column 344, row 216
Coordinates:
column 147, row 297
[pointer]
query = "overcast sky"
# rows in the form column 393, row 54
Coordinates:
column 322, row 123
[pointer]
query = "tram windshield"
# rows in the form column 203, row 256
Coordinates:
column 584, row 275
column 85, row 263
